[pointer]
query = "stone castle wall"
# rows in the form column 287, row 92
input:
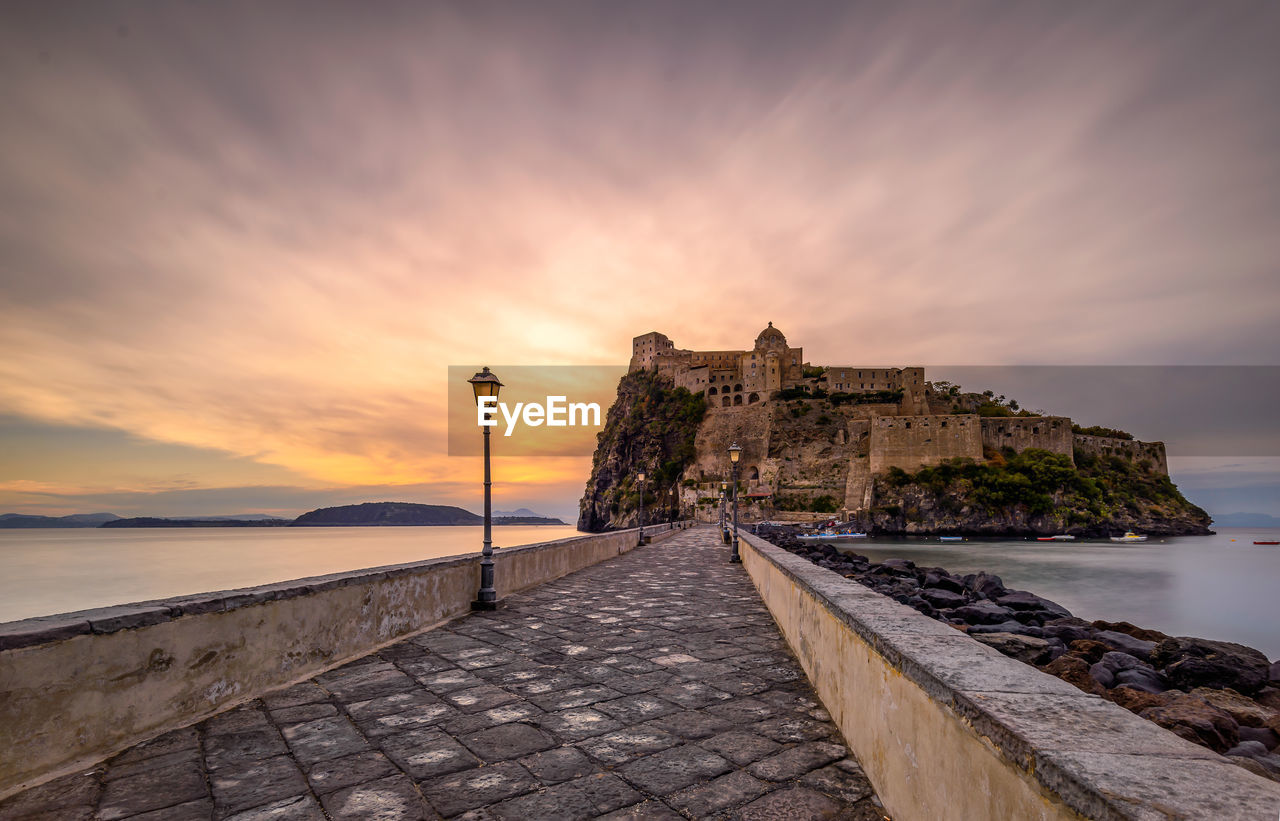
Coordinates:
column 913, row 442
column 1130, row 449
column 1051, row 433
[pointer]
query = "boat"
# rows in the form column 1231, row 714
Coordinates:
column 951, row 538
column 831, row 537
column 1129, row 536
column 1266, row 542
column 1059, row 538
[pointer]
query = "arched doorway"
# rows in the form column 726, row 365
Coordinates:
column 754, row 474
column 737, row 399
column 753, row 398
column 726, row 401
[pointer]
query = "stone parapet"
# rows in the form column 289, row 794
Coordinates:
column 946, row 727
column 77, row 687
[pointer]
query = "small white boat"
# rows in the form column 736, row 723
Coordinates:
column 831, row 537
column 1058, row 538
column 1130, row 536
column 951, row 538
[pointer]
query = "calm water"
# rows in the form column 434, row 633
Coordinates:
column 1207, row 586
column 57, row 571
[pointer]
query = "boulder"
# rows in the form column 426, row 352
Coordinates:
column 987, row 584
column 1256, row 751
column 983, row 612
column 941, row 598
column 1190, row 662
column 1273, row 676
column 943, row 581
column 1027, row 649
column 1130, row 629
column 1068, row 630
column 1135, row 700
column 1142, row 678
column 1022, row 600
column 1126, row 643
column 1268, row 697
column 1102, row 675
column 1074, row 670
column 1089, row 650
column 1007, row 627
column 1196, row 720
column 1263, row 735
column 1246, row 711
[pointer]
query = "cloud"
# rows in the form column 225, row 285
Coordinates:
column 269, row 230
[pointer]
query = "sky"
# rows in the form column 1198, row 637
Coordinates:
column 241, row 244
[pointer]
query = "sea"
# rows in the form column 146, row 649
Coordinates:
column 1219, row 587
column 1215, row 587
column 44, row 572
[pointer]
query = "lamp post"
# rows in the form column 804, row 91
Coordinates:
column 485, row 384
column 735, row 453
column 640, row 476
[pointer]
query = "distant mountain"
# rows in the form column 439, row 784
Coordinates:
column 407, row 514
column 152, row 521
column 22, row 520
column 1246, row 520
column 522, row 512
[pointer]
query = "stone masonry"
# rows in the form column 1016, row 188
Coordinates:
column 654, row 685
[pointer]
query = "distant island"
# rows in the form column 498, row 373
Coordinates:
column 406, row 513
column 361, row 515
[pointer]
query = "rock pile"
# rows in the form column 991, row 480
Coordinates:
column 1222, row 695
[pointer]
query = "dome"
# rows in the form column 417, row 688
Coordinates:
column 771, row 337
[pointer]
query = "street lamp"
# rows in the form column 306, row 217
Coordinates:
column 735, row 453
column 640, row 476
column 485, row 384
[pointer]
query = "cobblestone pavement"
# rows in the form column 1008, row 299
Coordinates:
column 651, row 686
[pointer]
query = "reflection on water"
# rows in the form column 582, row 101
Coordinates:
column 58, row 571
column 1207, row 586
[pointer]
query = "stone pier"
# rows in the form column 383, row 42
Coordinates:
column 651, row 685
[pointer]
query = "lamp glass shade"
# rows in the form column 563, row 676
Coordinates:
column 640, row 476
column 485, row 383
column 735, row 453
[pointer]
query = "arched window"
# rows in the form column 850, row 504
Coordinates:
column 711, row 391
column 754, row 474
column 726, row 401
column 737, row 387
column 737, row 399
column 753, row 398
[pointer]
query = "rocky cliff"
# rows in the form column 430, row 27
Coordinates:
column 651, row 428
column 1033, row 493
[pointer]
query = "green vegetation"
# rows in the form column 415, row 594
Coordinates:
column 789, row 394
column 867, row 397
column 1094, row 488
column 812, row 371
column 1099, row 430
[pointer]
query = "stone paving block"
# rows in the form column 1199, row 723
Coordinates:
column 337, row 773
column 635, row 709
column 647, row 811
column 370, row 682
column 413, row 718
column 626, row 744
column 390, row 704
column 322, row 739
column 508, row 741
column 302, row 713
column 576, row 724
column 643, row 683
column 307, row 692
column 233, row 750
column 722, row 793
column 388, row 799
column 690, row 694
column 152, row 789
column 240, row 720
column 256, row 785
column 549, row 682
column 573, row 697
column 690, row 724
column 849, row 785
column 606, row 791
column 793, row 804
column 199, row 810
column 172, row 742
column 447, row 681
column 797, row 761
column 479, row 787
column 423, row 666
column 427, row 753
column 79, row 789
column 740, row 746
column 294, row 808
column 790, row 730
column 190, row 757
column 475, row 699
column 558, row 764
column 669, row 770
column 563, row 802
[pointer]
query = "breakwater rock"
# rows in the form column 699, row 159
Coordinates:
column 1219, row 694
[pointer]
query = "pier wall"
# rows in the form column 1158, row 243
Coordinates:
column 76, row 688
column 946, row 727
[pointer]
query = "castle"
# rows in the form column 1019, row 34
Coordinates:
column 881, row 417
